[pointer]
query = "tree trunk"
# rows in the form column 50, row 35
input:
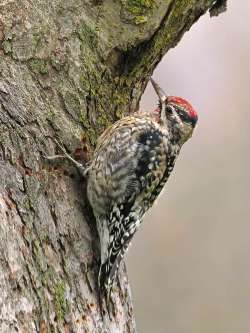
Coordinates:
column 68, row 69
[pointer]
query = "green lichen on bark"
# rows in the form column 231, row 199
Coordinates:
column 36, row 39
column 138, row 9
column 39, row 256
column 61, row 303
column 7, row 46
column 87, row 34
column 39, row 66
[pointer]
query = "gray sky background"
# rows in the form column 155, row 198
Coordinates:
column 189, row 265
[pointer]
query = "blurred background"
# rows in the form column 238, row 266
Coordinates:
column 189, row 266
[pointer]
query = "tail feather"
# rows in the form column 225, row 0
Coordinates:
column 109, row 269
column 115, row 234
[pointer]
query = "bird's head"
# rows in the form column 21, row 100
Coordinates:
column 176, row 114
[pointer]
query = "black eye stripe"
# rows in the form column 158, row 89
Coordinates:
column 185, row 116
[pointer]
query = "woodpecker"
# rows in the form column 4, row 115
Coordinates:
column 131, row 163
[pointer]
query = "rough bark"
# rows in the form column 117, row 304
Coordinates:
column 68, row 69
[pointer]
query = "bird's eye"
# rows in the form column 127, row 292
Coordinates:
column 169, row 108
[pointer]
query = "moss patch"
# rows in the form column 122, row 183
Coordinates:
column 7, row 46
column 138, row 9
column 72, row 103
column 39, row 255
column 88, row 35
column 61, row 304
column 36, row 39
column 39, row 66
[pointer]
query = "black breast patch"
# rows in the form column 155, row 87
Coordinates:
column 149, row 143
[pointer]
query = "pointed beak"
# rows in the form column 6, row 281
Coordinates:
column 161, row 94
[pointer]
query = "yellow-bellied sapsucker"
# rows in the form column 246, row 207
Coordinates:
column 131, row 163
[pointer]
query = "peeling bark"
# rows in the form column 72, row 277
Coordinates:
column 68, row 69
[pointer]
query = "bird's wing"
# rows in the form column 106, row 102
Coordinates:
column 137, row 168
